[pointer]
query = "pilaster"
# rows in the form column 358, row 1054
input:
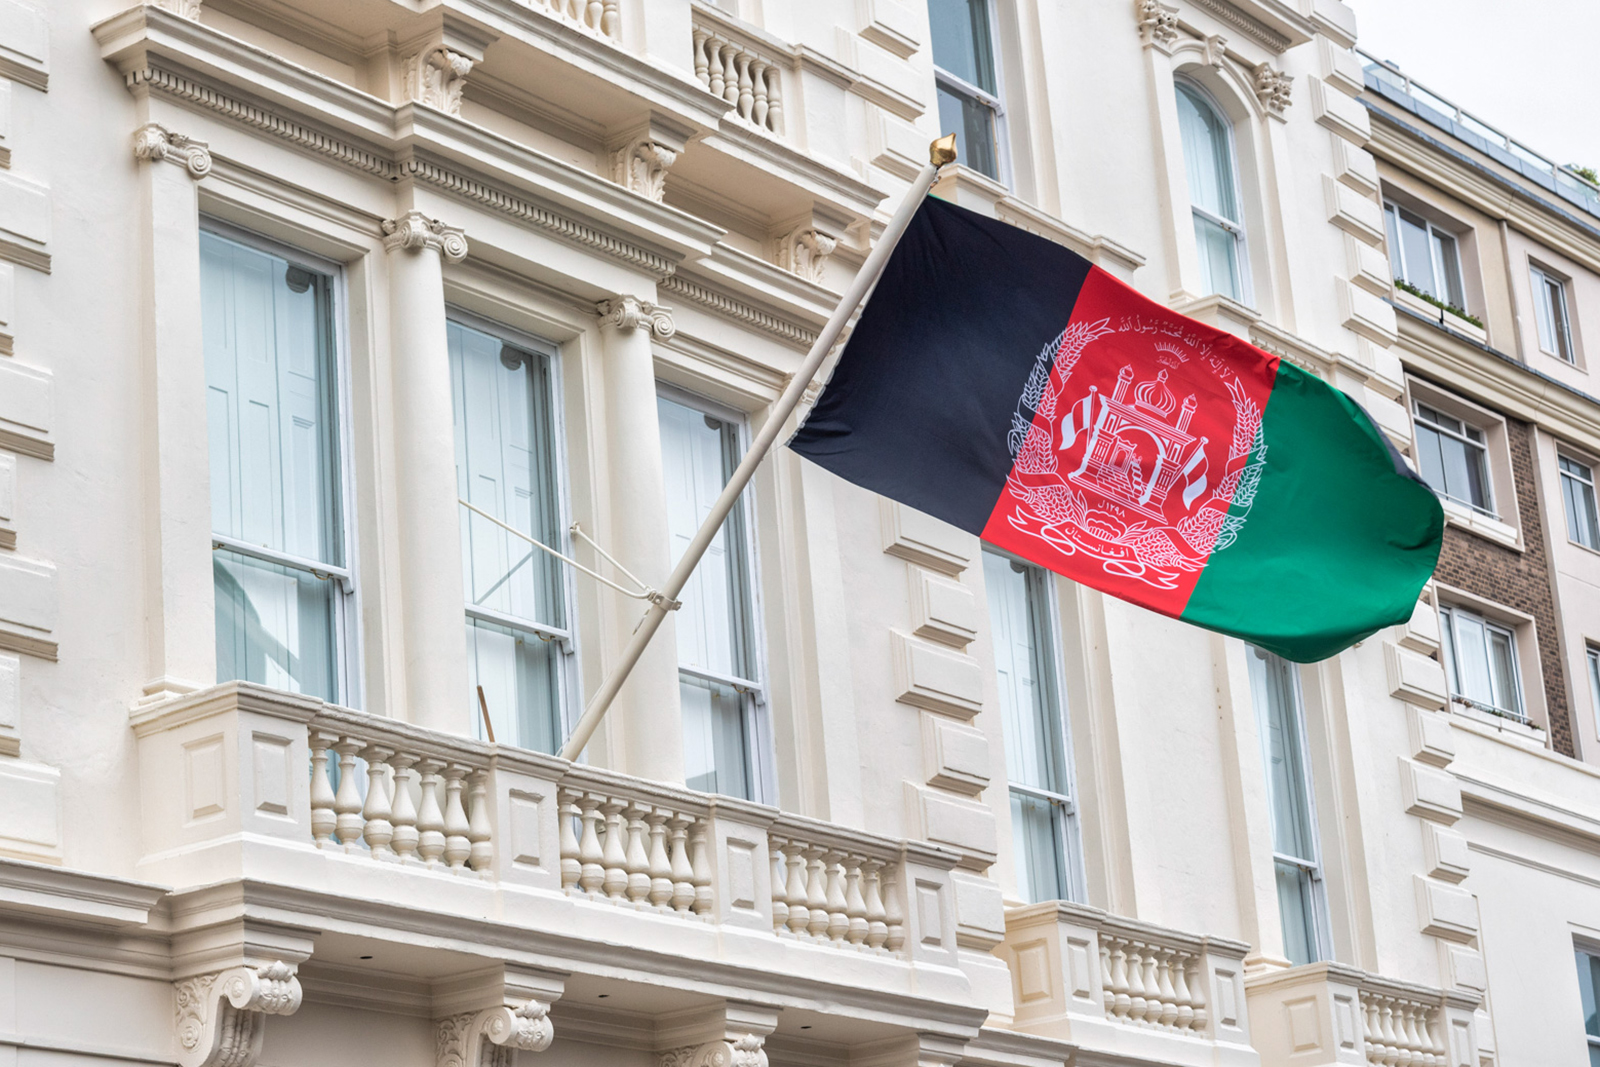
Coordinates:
column 431, row 591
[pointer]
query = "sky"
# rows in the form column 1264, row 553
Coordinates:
column 1526, row 67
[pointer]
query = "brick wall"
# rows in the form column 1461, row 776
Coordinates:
column 1519, row 580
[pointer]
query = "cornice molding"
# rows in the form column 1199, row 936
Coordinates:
column 733, row 308
column 1270, row 23
column 35, row 890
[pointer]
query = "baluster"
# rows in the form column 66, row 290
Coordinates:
column 816, row 892
column 638, row 858
column 682, row 869
column 1197, row 986
column 403, row 811
column 379, row 830
column 1436, row 1046
column 1137, row 1004
column 593, row 17
column 1180, row 991
column 616, row 851
column 855, row 905
column 347, row 804
column 1108, row 992
column 877, row 929
column 714, row 76
column 758, row 87
column 747, row 97
column 702, row 870
column 323, row 819
column 1152, row 986
column 1390, row 1040
column 774, row 101
column 567, row 817
column 660, row 871
column 480, row 831
column 799, row 913
column 838, row 918
column 780, row 877
column 730, row 73
column 457, row 845
column 702, row 65
column 1123, row 1002
column 1414, row 1042
column 894, row 918
column 430, row 818
column 1402, row 1032
column 591, row 859
column 1167, row 992
column 610, row 19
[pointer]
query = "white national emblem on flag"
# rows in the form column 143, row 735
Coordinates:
column 1121, row 476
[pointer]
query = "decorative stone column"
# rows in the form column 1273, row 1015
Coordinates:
column 644, row 723
column 180, row 633
column 431, row 594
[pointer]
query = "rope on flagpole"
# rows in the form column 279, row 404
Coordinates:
column 941, row 152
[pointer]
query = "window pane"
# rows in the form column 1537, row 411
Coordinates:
column 1298, row 911
column 1023, row 667
column 1543, row 313
column 1594, row 685
column 1277, row 708
column 1560, row 323
column 1430, row 457
column 1577, row 495
column 1418, row 254
column 518, row 673
column 715, row 626
column 1392, row 222
column 268, row 342
column 961, row 43
column 1589, row 992
column 504, row 465
column 1447, row 632
column 1037, row 845
column 1207, row 155
column 715, row 752
column 1219, row 258
column 1447, row 268
column 1503, row 672
column 973, row 123
column 274, row 625
column 1472, row 657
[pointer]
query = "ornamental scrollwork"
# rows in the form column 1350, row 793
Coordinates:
column 630, row 313
column 1272, row 88
column 641, row 166
column 414, row 230
column 221, row 1017
column 804, row 251
column 1158, row 23
column 744, row 1051
column 436, row 76
column 493, row 1036
column 155, row 143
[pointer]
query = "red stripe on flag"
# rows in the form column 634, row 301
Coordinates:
column 1128, row 445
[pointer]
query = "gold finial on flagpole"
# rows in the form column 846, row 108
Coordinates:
column 943, row 150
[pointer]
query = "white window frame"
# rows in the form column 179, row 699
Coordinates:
column 1592, row 1041
column 1592, row 662
column 1434, row 231
column 1241, row 236
column 569, row 673
column 348, row 678
column 1448, row 612
column 759, row 755
column 1071, row 839
column 1562, row 477
column 1548, row 318
column 993, row 101
column 1482, row 446
column 1311, row 865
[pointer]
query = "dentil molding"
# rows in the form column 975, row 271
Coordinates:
column 154, row 142
column 221, row 1017
column 745, row 1051
column 492, row 1037
column 631, row 313
column 414, row 230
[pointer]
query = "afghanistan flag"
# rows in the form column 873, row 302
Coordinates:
column 1008, row 386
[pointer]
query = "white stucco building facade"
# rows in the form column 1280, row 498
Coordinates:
column 284, row 281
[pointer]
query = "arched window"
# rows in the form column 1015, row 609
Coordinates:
column 1213, row 192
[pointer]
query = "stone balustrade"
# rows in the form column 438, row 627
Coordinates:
column 625, row 850
column 1152, row 984
column 834, row 892
column 743, row 76
column 1328, row 1012
column 601, row 17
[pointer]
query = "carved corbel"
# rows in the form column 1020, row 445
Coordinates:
column 630, row 313
column 641, row 167
column 221, row 1016
column 414, row 230
column 435, row 76
column 1158, row 23
column 743, row 1051
column 1272, row 89
column 189, row 9
column 493, row 1036
column 804, row 251
column 154, row 142
column 1214, row 49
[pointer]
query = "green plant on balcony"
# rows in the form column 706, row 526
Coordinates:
column 1586, row 173
column 1460, row 313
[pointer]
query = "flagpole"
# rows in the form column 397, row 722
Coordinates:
column 940, row 152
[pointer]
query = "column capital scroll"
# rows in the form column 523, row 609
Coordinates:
column 416, row 230
column 154, row 142
column 630, row 313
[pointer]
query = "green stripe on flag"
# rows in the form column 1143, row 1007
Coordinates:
column 1336, row 545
